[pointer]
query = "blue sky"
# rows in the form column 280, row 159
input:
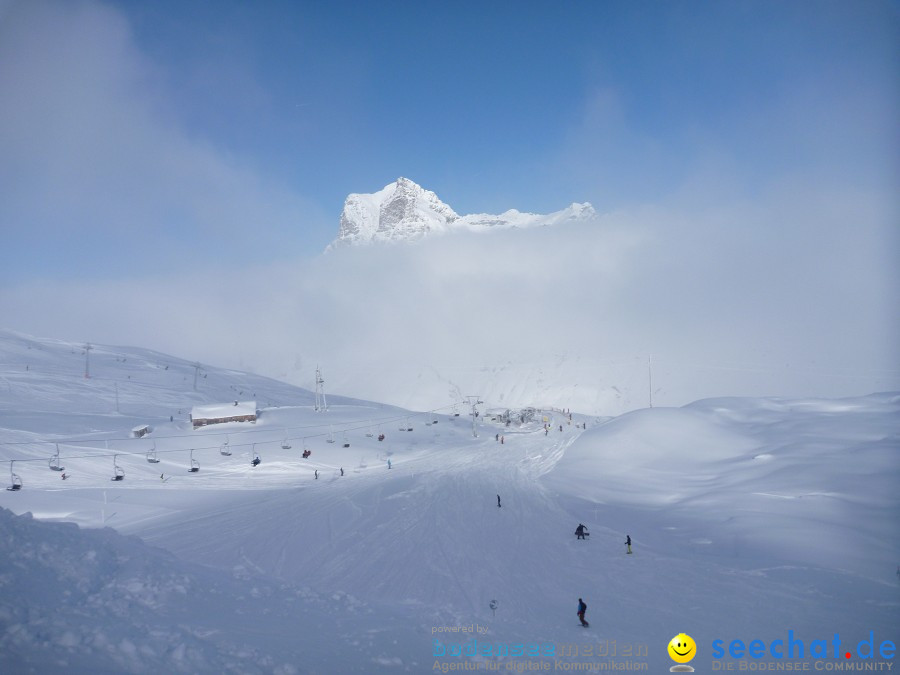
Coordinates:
column 529, row 105
column 743, row 156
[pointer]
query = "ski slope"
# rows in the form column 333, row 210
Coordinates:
column 749, row 518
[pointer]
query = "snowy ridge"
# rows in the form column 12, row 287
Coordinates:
column 405, row 211
column 749, row 518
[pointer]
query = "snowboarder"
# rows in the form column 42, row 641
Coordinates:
column 580, row 531
column 628, row 542
column 317, row 474
column 64, row 476
column 496, row 437
column 389, row 463
column 582, row 608
column 498, row 502
column 342, row 471
column 162, row 476
column 502, row 440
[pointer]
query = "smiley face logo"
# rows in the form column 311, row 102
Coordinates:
column 682, row 648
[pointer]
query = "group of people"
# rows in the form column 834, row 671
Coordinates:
column 581, row 532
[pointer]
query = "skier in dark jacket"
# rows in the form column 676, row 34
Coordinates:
column 582, row 608
column 628, row 542
column 580, row 531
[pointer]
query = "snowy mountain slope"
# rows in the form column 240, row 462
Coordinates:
column 74, row 600
column 404, row 211
column 750, row 517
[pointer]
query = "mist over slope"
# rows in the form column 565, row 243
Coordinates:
column 350, row 559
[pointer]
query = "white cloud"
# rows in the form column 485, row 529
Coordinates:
column 94, row 156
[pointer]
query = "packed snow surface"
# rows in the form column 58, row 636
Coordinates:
column 749, row 518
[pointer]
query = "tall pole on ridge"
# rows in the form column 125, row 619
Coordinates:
column 474, row 401
column 87, row 360
column 321, row 404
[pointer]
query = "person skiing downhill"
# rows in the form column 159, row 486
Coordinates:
column 582, row 608
column 498, row 502
column 628, row 542
column 580, row 531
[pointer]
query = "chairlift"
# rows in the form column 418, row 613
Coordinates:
column 408, row 426
column 118, row 471
column 346, row 442
column 369, row 433
column 224, row 449
column 306, row 451
column 256, row 460
column 15, row 483
column 285, row 444
column 54, row 461
column 330, row 438
column 151, row 455
column 195, row 465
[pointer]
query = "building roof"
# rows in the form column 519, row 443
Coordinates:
column 219, row 410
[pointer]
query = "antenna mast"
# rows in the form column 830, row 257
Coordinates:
column 650, row 376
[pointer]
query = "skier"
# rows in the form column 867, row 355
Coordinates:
column 502, row 440
column 317, row 474
column 64, row 476
column 628, row 542
column 580, row 531
column 496, row 437
column 342, row 471
column 498, row 502
column 389, row 463
column 582, row 608
column 162, row 476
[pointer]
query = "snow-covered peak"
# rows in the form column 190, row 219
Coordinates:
column 405, row 211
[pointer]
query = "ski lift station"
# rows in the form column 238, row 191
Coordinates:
column 218, row 413
column 141, row 430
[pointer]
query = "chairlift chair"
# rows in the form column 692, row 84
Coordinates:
column 285, row 445
column 346, row 442
column 330, row 438
column 15, row 483
column 256, row 460
column 54, row 461
column 195, row 465
column 151, row 455
column 118, row 471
